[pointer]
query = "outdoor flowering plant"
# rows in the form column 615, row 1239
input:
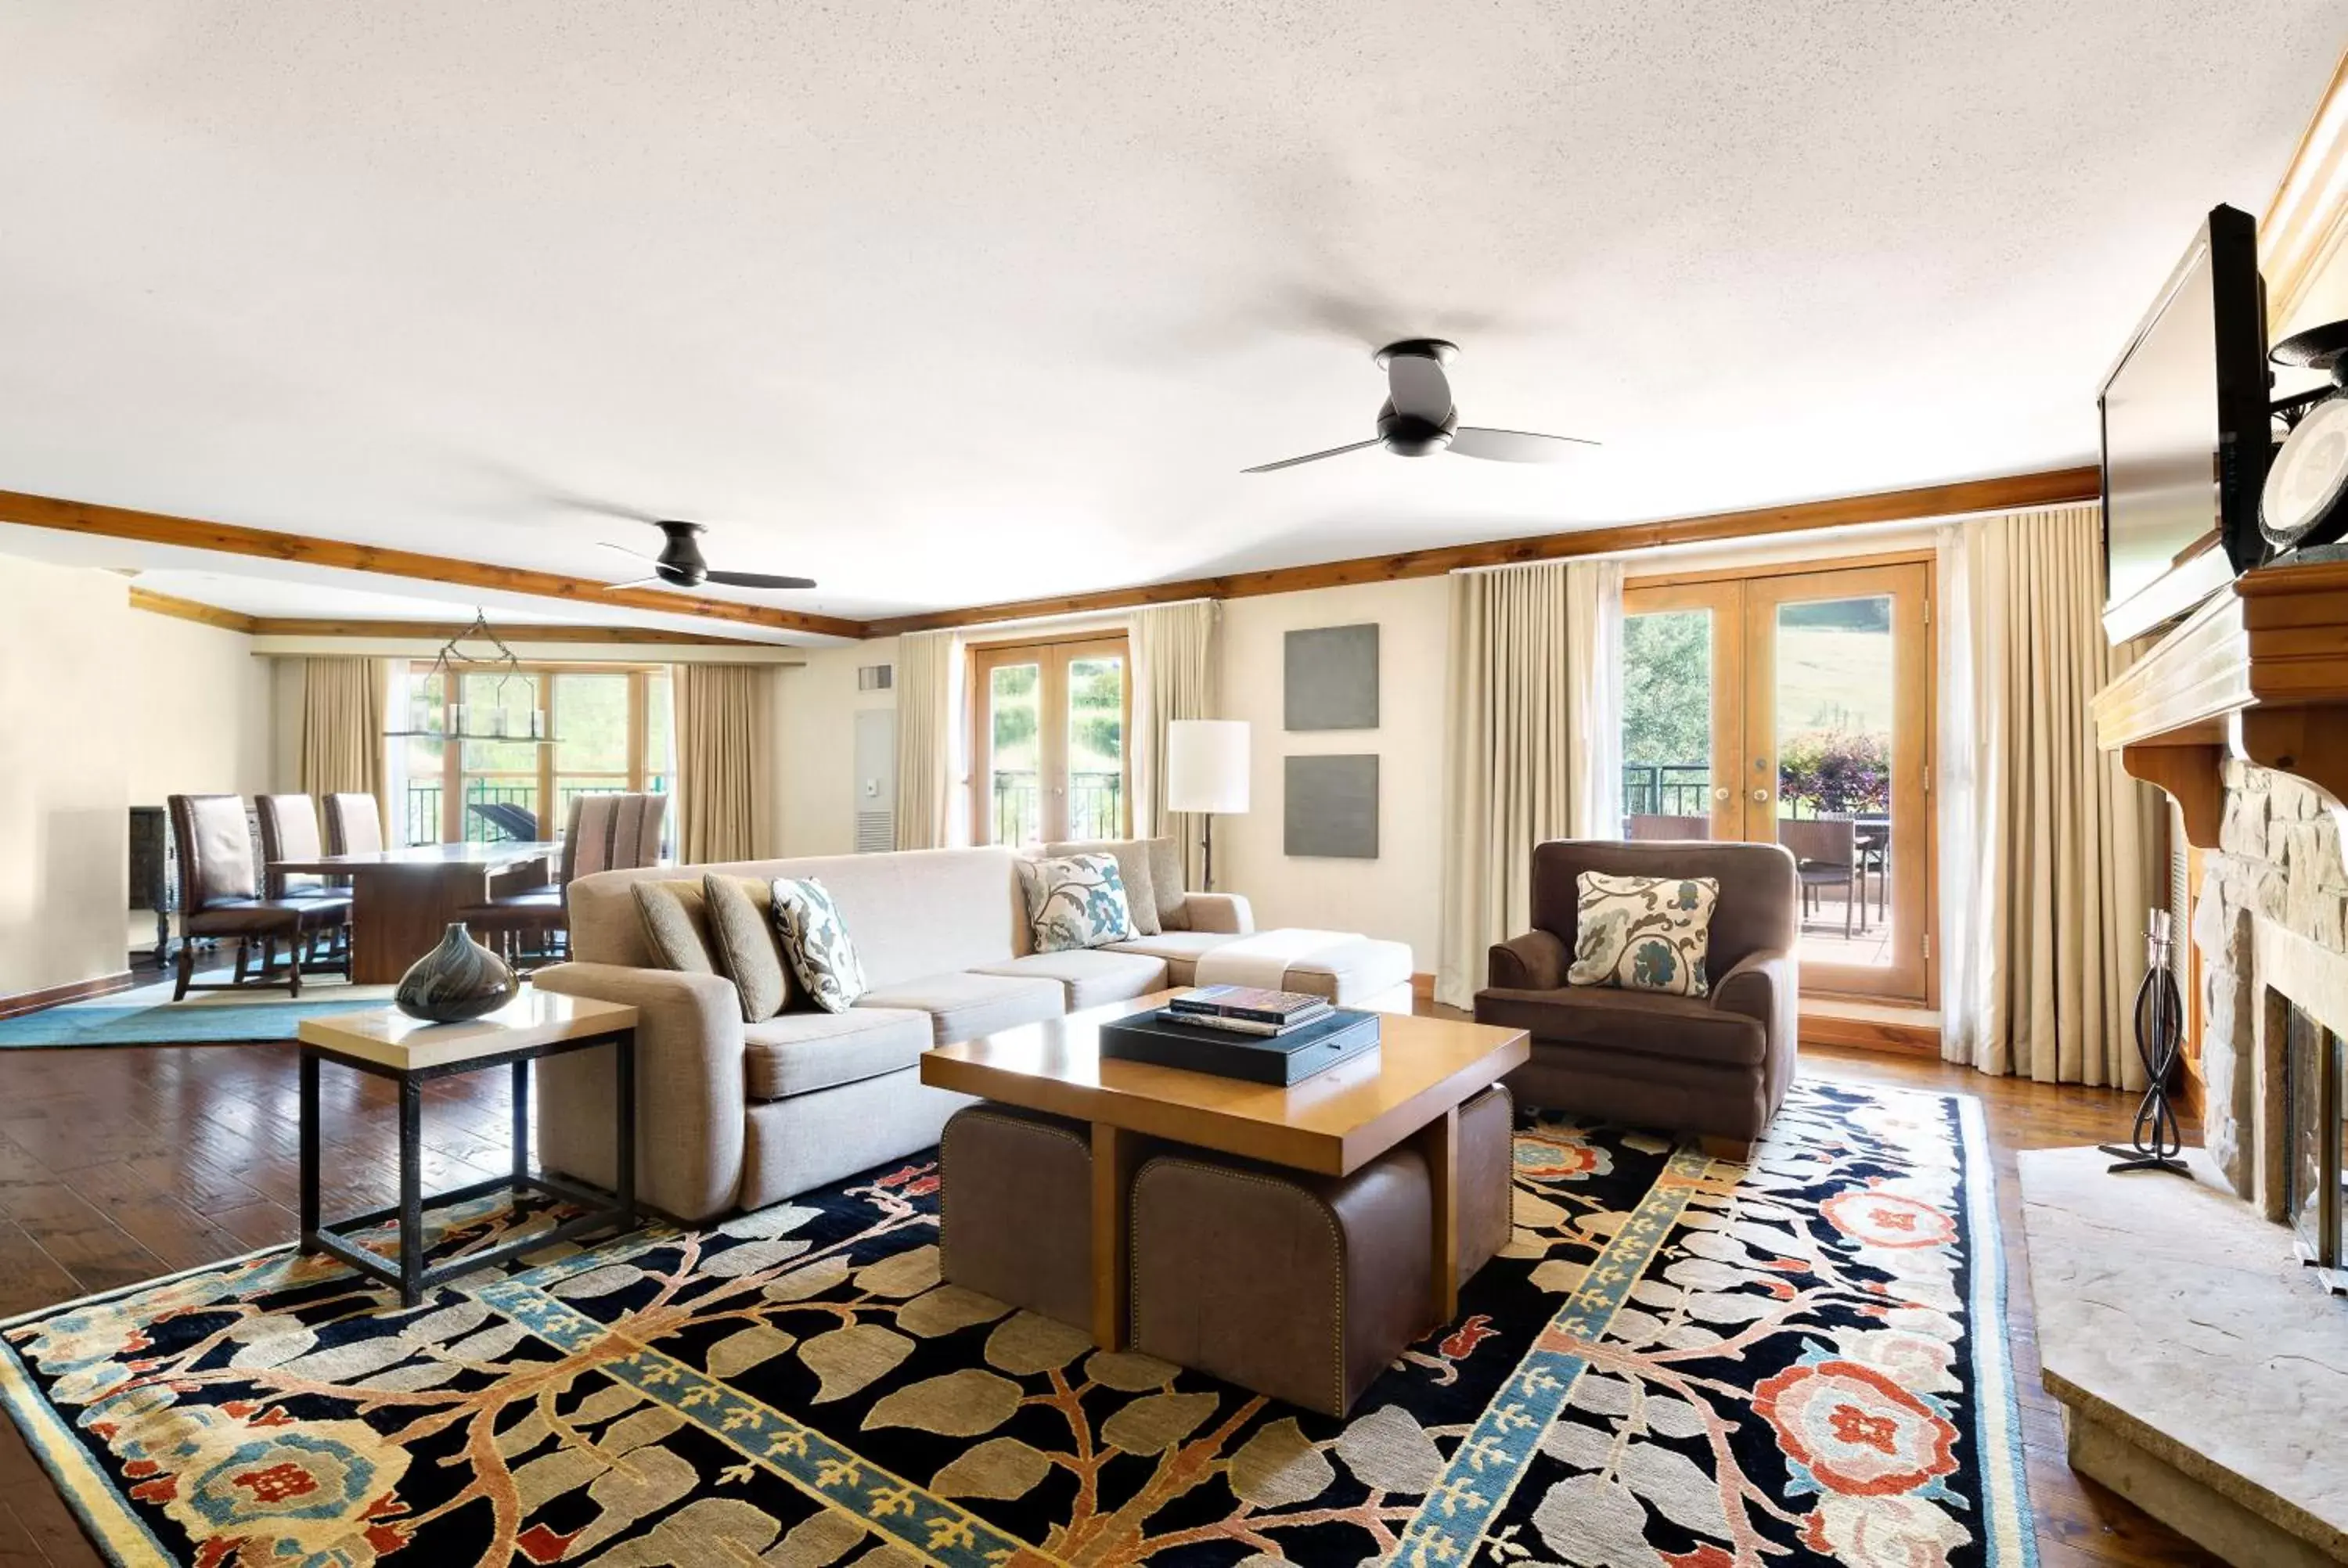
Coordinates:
column 1845, row 772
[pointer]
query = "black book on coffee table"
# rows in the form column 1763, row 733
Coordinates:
column 1287, row 1059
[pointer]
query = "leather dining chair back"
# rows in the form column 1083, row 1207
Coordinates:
column 215, row 845
column 611, row 833
column 289, row 831
column 354, row 824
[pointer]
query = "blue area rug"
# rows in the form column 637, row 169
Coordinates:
column 146, row 1015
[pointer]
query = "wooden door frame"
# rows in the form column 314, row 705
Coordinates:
column 1733, row 671
column 1052, row 655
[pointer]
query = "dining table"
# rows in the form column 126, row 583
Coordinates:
column 403, row 900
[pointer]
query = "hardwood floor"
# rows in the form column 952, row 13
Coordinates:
column 117, row 1165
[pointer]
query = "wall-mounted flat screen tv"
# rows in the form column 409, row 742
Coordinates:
column 2185, row 435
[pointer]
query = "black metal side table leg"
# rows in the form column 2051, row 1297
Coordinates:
column 520, row 1122
column 411, row 1192
column 309, row 1150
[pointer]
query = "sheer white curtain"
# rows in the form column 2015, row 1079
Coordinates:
column 394, row 755
column 2043, row 864
column 1174, row 677
column 929, row 781
column 1533, row 744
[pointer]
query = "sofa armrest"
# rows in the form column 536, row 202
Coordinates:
column 1535, row 961
column 1224, row 914
column 690, row 1096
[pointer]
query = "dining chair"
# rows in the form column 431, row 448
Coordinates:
column 289, row 831
column 354, row 824
column 1647, row 828
column 604, row 833
column 220, row 895
column 1825, row 856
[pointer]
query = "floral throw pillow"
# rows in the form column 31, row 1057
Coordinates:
column 1642, row 933
column 815, row 940
column 1077, row 901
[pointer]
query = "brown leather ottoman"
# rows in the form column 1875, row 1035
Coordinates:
column 1305, row 1287
column 1015, row 1209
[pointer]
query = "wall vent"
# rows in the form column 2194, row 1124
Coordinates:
column 876, row 677
column 876, row 832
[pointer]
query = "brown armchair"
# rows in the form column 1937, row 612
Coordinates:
column 219, row 889
column 1715, row 1065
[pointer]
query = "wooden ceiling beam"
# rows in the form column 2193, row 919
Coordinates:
column 154, row 603
column 2011, row 493
column 231, row 538
column 511, row 631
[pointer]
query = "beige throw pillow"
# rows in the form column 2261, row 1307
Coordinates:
column 744, row 942
column 675, row 925
column 1166, row 884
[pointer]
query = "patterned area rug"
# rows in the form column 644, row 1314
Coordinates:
column 1677, row 1364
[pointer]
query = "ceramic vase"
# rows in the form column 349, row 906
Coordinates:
column 456, row 981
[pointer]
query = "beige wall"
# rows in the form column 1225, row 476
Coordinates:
column 196, row 708
column 66, row 704
column 815, row 730
column 1397, row 895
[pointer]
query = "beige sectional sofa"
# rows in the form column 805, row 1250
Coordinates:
column 733, row 1114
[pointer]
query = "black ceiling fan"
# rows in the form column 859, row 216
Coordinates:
column 1419, row 419
column 680, row 565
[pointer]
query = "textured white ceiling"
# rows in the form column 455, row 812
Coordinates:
column 949, row 303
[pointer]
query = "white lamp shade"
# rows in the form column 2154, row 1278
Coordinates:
column 1207, row 765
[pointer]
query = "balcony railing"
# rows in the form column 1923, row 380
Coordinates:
column 424, row 806
column 1667, row 789
column 1096, row 806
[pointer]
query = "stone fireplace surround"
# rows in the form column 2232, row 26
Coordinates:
column 2270, row 927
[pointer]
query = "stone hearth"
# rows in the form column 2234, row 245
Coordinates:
column 2203, row 1375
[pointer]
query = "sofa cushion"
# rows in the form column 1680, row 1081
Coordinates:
column 1132, row 869
column 823, row 956
column 676, row 926
column 746, row 943
column 965, row 1006
column 1166, row 881
column 1646, row 1023
column 1077, row 901
column 1180, row 949
column 797, row 1053
column 1093, row 977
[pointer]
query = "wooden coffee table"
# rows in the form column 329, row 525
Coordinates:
column 1411, row 1087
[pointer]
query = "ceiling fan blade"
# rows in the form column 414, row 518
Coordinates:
column 756, row 579
column 1513, row 446
column 635, row 582
column 1310, row 458
column 624, row 550
column 1418, row 388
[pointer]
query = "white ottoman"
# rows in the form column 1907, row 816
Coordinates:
column 1350, row 970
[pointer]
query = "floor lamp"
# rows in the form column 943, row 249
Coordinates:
column 1206, row 773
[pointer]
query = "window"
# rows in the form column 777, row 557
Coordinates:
column 1048, row 728
column 613, row 730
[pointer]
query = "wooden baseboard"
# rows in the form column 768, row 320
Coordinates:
column 57, row 995
column 1422, row 987
column 1872, row 1034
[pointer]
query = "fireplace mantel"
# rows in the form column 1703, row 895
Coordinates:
column 2261, row 670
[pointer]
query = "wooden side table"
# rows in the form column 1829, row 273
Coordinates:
column 388, row 1043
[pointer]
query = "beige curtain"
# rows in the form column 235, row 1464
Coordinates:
column 342, row 729
column 725, row 762
column 1175, row 676
column 925, row 748
column 1530, row 744
column 2048, row 949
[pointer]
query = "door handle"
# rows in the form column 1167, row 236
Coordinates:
column 1761, row 796
column 1720, row 793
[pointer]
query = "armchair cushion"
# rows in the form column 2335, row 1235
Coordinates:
column 1636, row 1024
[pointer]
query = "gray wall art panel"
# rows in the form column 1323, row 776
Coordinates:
column 1332, row 678
column 1329, row 808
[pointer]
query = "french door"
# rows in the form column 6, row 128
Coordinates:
column 1049, row 722
column 1796, row 708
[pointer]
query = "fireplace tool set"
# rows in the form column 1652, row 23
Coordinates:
column 2156, row 1141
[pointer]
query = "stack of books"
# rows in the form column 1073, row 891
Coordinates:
column 1244, row 1010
